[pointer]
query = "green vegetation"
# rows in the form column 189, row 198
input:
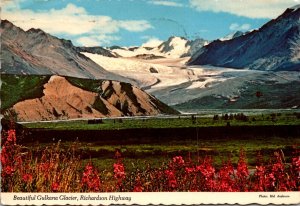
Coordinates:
column 173, row 122
column 100, row 106
column 16, row 88
column 86, row 84
column 140, row 155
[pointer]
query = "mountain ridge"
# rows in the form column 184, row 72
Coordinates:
column 265, row 49
column 173, row 47
column 37, row 52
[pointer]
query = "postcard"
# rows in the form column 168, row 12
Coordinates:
column 150, row 102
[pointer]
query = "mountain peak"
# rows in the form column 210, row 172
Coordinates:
column 232, row 35
column 6, row 22
column 268, row 48
column 34, row 30
column 177, row 37
column 295, row 7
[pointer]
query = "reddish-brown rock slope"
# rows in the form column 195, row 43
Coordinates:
column 63, row 100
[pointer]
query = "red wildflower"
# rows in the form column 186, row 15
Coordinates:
column 278, row 167
column 4, row 158
column 119, row 171
column 27, row 177
column 226, row 178
column 44, row 168
column 206, row 168
column 171, row 178
column 178, row 160
column 242, row 169
column 90, row 178
column 138, row 188
column 260, row 178
column 189, row 170
column 173, row 183
column 296, row 163
column 270, row 180
column 11, row 136
column 9, row 170
column 55, row 186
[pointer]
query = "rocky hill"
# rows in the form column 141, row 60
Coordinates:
column 275, row 46
column 36, row 52
column 69, row 98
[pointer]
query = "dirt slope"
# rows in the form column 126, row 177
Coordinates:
column 62, row 100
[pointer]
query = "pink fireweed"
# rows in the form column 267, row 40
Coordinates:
column 178, row 160
column 59, row 170
column 90, row 178
column 172, row 183
column 206, row 168
column 242, row 168
column 55, row 187
column 119, row 171
column 11, row 137
column 27, row 178
column 260, row 178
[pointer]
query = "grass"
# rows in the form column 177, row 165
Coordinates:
column 142, row 154
column 16, row 88
column 86, row 84
column 172, row 122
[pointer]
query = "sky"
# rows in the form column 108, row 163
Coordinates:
column 140, row 22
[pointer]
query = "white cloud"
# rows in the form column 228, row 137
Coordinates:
column 237, row 27
column 99, row 40
column 71, row 20
column 151, row 41
column 135, row 26
column 10, row 4
column 165, row 3
column 247, row 8
column 88, row 41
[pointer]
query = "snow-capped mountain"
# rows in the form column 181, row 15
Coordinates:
column 174, row 47
column 180, row 47
column 275, row 46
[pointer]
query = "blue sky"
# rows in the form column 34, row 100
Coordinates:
column 136, row 22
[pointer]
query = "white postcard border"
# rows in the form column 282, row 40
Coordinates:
column 145, row 198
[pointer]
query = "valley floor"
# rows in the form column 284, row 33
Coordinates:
column 155, row 139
